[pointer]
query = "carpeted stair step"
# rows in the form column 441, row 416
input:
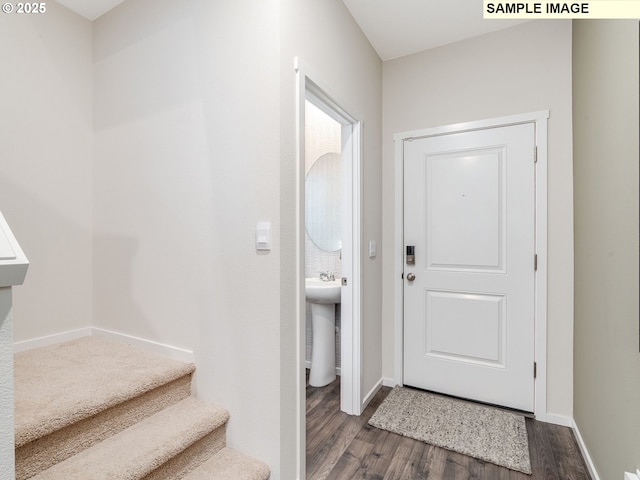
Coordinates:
column 228, row 464
column 73, row 395
column 164, row 446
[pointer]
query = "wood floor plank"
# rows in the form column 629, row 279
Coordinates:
column 457, row 467
column 404, row 456
column 571, row 466
column 436, row 462
column 384, row 447
column 543, row 464
column 321, row 458
column 500, row 473
column 416, row 466
column 477, row 470
column 351, row 463
column 317, row 395
column 343, row 447
column 322, row 461
column 323, row 412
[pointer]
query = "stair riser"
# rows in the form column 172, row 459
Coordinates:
column 192, row 457
column 36, row 456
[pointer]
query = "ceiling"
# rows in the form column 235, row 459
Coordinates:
column 395, row 28
column 90, row 9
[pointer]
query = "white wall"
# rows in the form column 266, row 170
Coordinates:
column 186, row 164
column 517, row 70
column 46, row 176
column 326, row 38
column 607, row 362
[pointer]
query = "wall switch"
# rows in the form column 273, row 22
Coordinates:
column 263, row 236
column 373, row 251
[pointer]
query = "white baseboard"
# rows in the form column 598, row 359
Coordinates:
column 51, row 339
column 556, row 419
column 171, row 351
column 147, row 345
column 370, row 395
column 585, row 453
column 389, row 382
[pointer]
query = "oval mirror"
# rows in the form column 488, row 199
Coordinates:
column 323, row 200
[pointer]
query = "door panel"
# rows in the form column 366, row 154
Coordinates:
column 466, row 327
column 465, row 210
column 469, row 313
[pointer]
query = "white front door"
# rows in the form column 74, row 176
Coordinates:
column 469, row 201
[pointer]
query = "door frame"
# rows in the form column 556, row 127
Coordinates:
column 540, row 120
column 310, row 87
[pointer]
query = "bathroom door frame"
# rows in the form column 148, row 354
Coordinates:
column 310, row 87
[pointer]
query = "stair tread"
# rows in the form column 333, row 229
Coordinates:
column 59, row 385
column 229, row 464
column 143, row 447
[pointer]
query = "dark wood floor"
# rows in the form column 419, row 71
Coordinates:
column 345, row 447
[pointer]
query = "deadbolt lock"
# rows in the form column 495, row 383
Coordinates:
column 411, row 255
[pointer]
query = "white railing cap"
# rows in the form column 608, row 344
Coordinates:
column 13, row 262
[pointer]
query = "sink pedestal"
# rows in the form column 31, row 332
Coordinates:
column 323, row 355
column 323, row 295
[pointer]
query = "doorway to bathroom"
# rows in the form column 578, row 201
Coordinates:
column 329, row 194
column 323, row 245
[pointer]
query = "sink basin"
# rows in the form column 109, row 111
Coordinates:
column 319, row 291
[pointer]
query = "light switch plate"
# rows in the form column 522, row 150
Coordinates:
column 263, row 236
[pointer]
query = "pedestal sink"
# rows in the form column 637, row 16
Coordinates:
column 323, row 296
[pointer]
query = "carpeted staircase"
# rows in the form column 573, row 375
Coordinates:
column 91, row 409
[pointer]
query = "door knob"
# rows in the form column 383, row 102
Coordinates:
column 411, row 277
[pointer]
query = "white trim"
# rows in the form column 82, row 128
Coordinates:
column 540, row 119
column 299, row 298
column 351, row 332
column 475, row 125
column 372, row 393
column 585, row 453
column 556, row 420
column 171, row 351
column 141, row 343
column 398, row 264
column 310, row 88
column 310, row 85
column 51, row 339
column 389, row 382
